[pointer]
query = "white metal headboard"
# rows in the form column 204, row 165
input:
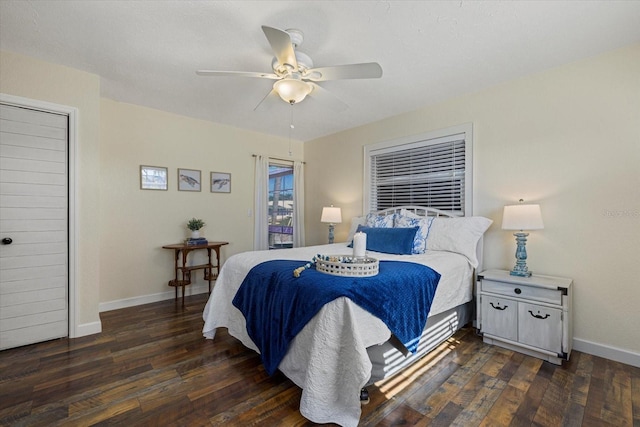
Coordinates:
column 426, row 211
column 419, row 210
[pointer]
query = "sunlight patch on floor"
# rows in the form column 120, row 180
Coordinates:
column 396, row 383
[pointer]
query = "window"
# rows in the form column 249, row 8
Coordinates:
column 280, row 207
column 431, row 170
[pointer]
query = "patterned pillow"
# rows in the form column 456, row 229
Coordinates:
column 377, row 221
column 424, row 226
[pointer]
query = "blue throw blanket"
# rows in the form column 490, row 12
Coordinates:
column 277, row 305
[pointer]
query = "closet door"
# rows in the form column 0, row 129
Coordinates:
column 33, row 226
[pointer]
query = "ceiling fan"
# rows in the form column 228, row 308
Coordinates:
column 293, row 72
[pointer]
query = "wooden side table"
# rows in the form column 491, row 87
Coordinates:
column 531, row 315
column 183, row 271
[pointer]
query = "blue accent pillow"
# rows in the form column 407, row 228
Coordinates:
column 397, row 241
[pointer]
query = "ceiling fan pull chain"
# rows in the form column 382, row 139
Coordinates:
column 290, row 127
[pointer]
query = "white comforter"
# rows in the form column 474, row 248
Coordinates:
column 328, row 359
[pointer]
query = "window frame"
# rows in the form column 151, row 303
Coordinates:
column 463, row 131
column 285, row 165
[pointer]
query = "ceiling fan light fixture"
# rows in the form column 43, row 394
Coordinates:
column 292, row 90
column 294, row 73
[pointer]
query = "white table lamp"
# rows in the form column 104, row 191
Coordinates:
column 521, row 217
column 333, row 216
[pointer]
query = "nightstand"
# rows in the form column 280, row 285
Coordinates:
column 531, row 315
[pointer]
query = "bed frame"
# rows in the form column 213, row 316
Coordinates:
column 392, row 357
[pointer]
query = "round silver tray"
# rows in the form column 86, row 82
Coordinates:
column 348, row 265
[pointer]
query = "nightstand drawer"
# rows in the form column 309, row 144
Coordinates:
column 550, row 296
column 501, row 317
column 540, row 326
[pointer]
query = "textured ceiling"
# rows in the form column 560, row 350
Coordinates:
column 146, row 52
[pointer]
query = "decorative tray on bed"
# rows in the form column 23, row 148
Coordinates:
column 347, row 265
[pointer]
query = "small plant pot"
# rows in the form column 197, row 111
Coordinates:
column 195, row 234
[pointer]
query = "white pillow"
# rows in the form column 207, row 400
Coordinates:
column 355, row 222
column 458, row 235
column 404, row 212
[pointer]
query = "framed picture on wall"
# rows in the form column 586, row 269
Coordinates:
column 189, row 180
column 220, row 182
column 153, row 178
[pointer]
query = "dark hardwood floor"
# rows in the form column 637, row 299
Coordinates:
column 151, row 366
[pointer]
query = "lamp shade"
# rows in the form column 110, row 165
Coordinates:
column 331, row 215
column 522, row 217
column 292, row 90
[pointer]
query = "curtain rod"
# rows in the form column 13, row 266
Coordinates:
column 278, row 158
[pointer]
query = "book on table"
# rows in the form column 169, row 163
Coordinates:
column 196, row 241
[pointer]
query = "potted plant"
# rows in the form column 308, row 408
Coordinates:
column 195, row 224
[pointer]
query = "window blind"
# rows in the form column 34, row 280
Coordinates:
column 426, row 173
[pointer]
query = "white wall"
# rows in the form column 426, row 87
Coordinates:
column 567, row 138
column 134, row 224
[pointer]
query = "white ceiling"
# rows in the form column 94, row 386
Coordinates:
column 146, row 52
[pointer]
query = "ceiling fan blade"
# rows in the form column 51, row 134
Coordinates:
column 237, row 74
column 327, row 98
column 368, row 70
column 268, row 101
column 280, row 42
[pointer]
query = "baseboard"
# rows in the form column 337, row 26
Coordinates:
column 608, row 352
column 146, row 299
column 85, row 329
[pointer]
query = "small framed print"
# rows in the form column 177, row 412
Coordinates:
column 153, row 178
column 189, row 180
column 220, row 182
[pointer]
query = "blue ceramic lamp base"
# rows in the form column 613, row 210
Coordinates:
column 521, row 269
column 331, row 235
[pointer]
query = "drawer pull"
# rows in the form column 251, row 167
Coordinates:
column 517, row 291
column 498, row 307
column 539, row 316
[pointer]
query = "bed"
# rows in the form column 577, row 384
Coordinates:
column 344, row 347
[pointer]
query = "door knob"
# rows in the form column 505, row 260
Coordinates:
column 7, row 241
